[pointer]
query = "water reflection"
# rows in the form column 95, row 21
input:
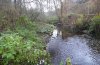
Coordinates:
column 75, row 47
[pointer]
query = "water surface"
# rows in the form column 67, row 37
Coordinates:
column 76, row 47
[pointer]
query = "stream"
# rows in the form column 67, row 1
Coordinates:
column 76, row 47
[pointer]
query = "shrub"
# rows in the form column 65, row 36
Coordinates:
column 53, row 20
column 22, row 46
column 79, row 24
column 16, row 51
column 94, row 28
column 46, row 28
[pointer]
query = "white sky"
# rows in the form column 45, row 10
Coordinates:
column 32, row 5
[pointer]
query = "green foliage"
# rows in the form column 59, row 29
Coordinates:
column 79, row 23
column 94, row 28
column 46, row 28
column 91, row 27
column 96, row 20
column 25, row 22
column 23, row 45
column 14, row 49
column 52, row 20
column 68, row 61
column 94, row 23
column 61, row 63
column 79, row 19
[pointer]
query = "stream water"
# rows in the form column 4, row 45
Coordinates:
column 76, row 47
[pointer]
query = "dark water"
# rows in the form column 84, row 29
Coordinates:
column 75, row 47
